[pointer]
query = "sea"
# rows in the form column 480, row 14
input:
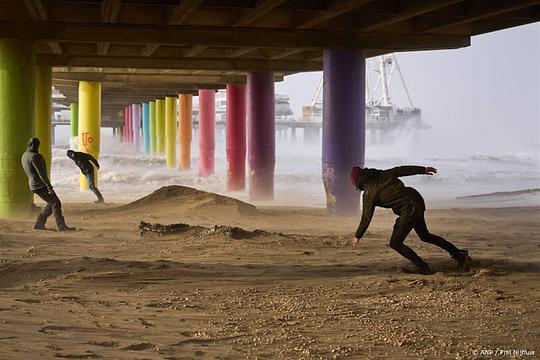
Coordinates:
column 464, row 180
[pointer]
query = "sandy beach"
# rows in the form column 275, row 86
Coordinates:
column 296, row 290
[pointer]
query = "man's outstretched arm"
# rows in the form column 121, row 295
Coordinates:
column 367, row 214
column 409, row 170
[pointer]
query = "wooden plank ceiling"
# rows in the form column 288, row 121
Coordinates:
column 142, row 49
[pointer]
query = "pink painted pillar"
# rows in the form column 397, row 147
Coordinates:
column 236, row 137
column 125, row 129
column 136, row 129
column 207, row 131
column 261, row 138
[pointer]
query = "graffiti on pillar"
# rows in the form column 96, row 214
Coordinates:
column 87, row 139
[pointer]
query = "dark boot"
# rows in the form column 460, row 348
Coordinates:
column 422, row 268
column 417, row 268
column 463, row 259
column 62, row 225
column 40, row 223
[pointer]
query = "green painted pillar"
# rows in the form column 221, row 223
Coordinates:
column 17, row 91
column 160, row 126
column 43, row 112
column 170, row 131
column 74, row 126
column 152, row 107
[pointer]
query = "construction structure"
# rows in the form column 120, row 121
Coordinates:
column 111, row 56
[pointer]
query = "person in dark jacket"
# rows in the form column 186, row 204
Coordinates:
column 383, row 188
column 34, row 166
column 84, row 162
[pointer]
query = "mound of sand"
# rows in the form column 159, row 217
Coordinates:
column 188, row 199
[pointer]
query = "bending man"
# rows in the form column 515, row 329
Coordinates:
column 84, row 162
column 383, row 188
column 34, row 166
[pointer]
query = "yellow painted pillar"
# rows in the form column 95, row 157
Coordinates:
column 17, row 91
column 160, row 126
column 43, row 113
column 152, row 128
column 170, row 130
column 185, row 129
column 89, row 122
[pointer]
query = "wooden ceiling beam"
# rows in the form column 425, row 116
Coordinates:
column 242, row 52
column 225, row 37
column 173, row 63
column 409, row 10
column 181, row 13
column 110, row 9
column 477, row 10
column 109, row 14
column 36, row 9
column 287, row 53
column 261, row 8
column 67, row 78
column 196, row 50
column 336, row 8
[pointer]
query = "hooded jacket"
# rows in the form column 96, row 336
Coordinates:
column 383, row 188
column 34, row 166
column 83, row 161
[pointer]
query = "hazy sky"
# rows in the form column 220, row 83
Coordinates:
column 483, row 98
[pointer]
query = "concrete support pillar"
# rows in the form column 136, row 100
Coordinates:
column 73, row 126
column 146, row 128
column 152, row 116
column 261, row 138
column 185, row 129
column 236, row 137
column 136, row 121
column 17, row 84
column 89, row 123
column 207, row 131
column 170, row 131
column 43, row 112
column 343, row 127
column 160, row 127
column 293, row 134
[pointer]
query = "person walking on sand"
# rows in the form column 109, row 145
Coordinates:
column 84, row 162
column 383, row 188
column 34, row 166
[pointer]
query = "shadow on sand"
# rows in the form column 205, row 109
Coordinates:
column 139, row 273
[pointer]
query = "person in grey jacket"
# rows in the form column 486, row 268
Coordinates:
column 383, row 188
column 35, row 168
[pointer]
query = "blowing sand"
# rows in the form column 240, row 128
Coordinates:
column 296, row 291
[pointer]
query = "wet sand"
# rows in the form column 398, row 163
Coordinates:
column 297, row 292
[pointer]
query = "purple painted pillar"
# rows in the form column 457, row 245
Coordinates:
column 136, row 118
column 343, row 139
column 261, row 135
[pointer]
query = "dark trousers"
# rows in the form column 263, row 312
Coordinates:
column 53, row 206
column 403, row 228
column 92, row 185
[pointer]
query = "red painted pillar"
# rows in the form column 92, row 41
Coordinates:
column 207, row 131
column 236, row 137
column 261, row 139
